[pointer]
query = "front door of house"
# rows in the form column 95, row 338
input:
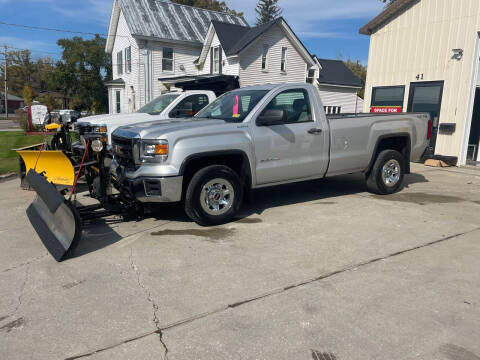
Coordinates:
column 427, row 97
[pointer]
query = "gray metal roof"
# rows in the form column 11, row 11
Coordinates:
column 170, row 21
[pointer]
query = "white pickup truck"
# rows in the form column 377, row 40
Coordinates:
column 167, row 106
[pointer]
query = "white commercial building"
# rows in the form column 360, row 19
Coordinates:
column 424, row 56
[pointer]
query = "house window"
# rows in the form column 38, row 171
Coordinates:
column 283, row 65
column 167, row 59
column 120, row 63
column 311, row 76
column 388, row 96
column 128, row 59
column 117, row 102
column 216, row 60
column 265, row 58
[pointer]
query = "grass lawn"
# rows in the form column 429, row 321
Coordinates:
column 14, row 140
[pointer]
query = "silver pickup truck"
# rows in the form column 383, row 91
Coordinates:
column 256, row 137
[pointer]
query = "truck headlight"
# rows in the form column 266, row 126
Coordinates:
column 154, row 151
column 97, row 145
column 101, row 129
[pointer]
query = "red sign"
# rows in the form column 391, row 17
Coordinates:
column 386, row 109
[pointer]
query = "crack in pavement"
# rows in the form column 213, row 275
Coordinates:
column 148, row 294
column 22, row 290
column 161, row 329
column 25, row 263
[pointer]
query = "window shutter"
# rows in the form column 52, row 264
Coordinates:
column 211, row 60
column 220, row 51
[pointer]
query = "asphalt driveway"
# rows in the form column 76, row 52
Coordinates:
column 318, row 270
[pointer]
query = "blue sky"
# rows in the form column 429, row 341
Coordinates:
column 327, row 27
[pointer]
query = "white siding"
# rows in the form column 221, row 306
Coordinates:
column 346, row 98
column 230, row 66
column 251, row 61
column 123, row 41
column 420, row 41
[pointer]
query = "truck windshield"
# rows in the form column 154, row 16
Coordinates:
column 156, row 106
column 233, row 106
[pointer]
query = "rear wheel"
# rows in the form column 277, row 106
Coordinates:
column 387, row 173
column 213, row 195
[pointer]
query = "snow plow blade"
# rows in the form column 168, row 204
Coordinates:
column 55, row 220
column 56, row 166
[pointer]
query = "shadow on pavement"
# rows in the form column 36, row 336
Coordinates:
column 101, row 233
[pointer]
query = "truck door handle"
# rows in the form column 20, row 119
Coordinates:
column 315, row 131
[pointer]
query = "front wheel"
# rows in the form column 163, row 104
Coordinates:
column 387, row 173
column 213, row 196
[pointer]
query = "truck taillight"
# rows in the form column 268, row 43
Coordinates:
column 430, row 129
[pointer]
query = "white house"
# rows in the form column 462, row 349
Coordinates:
column 424, row 56
column 338, row 87
column 158, row 46
column 151, row 40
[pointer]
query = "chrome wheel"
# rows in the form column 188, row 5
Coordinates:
column 391, row 173
column 217, row 197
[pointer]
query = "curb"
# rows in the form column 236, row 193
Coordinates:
column 7, row 177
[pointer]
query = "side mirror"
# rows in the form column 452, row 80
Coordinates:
column 271, row 117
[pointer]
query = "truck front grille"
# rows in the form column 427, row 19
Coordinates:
column 123, row 151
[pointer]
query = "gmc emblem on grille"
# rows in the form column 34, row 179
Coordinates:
column 117, row 149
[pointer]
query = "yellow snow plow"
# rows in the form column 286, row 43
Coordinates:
column 53, row 164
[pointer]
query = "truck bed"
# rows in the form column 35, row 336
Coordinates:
column 354, row 137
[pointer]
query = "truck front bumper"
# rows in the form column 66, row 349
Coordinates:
column 152, row 189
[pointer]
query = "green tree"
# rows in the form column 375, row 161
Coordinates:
column 359, row 70
column 81, row 74
column 25, row 71
column 214, row 5
column 27, row 95
column 267, row 10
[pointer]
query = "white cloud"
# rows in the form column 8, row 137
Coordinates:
column 309, row 17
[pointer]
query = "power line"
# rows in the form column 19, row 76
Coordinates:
column 58, row 30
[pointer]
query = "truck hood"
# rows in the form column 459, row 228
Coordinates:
column 156, row 130
column 118, row 119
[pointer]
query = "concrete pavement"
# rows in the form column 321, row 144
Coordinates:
column 318, row 270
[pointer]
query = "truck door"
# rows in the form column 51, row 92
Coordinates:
column 293, row 148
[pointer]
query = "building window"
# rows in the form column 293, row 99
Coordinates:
column 118, row 104
column 128, row 60
column 120, row 63
column 283, row 65
column 265, row 58
column 388, row 96
column 167, row 59
column 216, row 60
column 311, row 76
column 332, row 110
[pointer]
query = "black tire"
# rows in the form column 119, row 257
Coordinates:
column 196, row 207
column 385, row 185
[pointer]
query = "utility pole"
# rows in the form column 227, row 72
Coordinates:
column 5, row 76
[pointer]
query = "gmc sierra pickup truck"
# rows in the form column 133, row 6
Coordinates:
column 167, row 106
column 256, row 137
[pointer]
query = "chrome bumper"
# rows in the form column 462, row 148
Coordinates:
column 152, row 189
